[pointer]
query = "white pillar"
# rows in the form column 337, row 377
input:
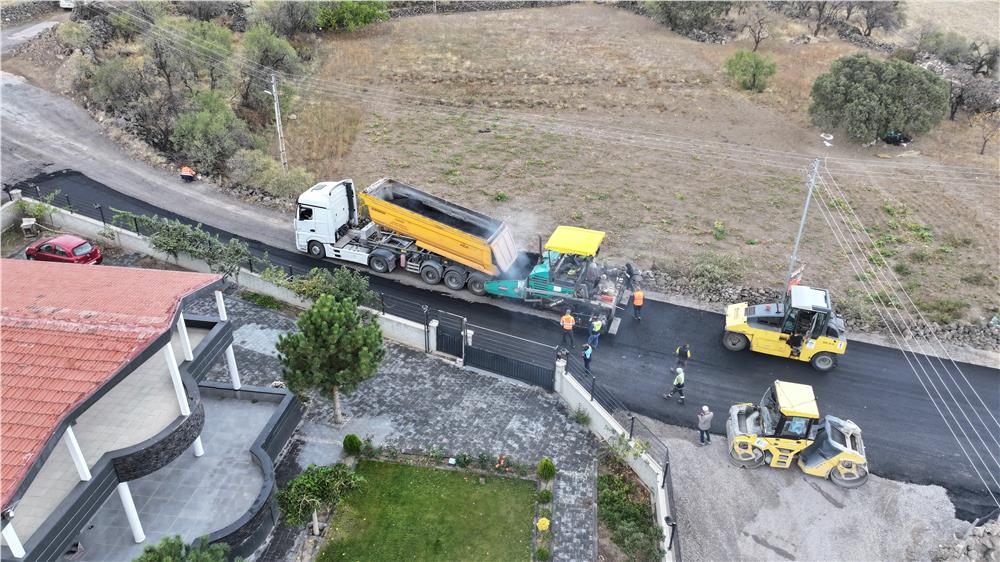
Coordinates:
column 175, row 376
column 560, row 374
column 199, row 449
column 130, row 513
column 221, row 305
column 234, row 373
column 432, row 329
column 13, row 541
column 77, row 455
column 185, row 340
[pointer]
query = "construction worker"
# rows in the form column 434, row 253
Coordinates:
column 795, row 342
column 188, row 174
column 678, row 386
column 704, row 425
column 683, row 354
column 638, row 297
column 567, row 322
column 596, row 324
column 588, row 353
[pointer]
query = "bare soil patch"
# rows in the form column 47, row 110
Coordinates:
column 600, row 68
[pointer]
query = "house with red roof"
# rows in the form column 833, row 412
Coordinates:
column 101, row 385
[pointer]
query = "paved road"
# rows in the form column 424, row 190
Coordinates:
column 905, row 436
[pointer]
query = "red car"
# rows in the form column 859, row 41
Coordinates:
column 66, row 249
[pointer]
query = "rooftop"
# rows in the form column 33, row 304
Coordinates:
column 67, row 330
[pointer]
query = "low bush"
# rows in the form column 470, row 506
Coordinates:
column 631, row 522
column 750, row 70
column 581, row 416
column 263, row 301
column 942, row 311
column 545, row 496
column 542, row 554
column 350, row 15
column 711, row 269
column 463, row 460
column 546, row 469
column 255, row 169
column 352, row 444
column 341, row 284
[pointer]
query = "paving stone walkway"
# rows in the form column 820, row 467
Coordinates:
column 419, row 402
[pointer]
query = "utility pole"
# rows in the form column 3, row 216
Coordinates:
column 277, row 122
column 810, row 185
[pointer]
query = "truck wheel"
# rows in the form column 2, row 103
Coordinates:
column 316, row 250
column 476, row 284
column 431, row 273
column 734, row 341
column 379, row 264
column 823, row 361
column 454, row 279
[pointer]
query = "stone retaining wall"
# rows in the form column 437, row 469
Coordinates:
column 18, row 12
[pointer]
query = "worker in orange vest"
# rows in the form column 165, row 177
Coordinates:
column 188, row 174
column 638, row 297
column 567, row 322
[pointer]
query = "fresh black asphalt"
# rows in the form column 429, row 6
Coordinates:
column 905, row 436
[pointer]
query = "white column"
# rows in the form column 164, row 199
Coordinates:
column 199, row 449
column 234, row 373
column 185, row 340
column 77, row 455
column 221, row 305
column 560, row 374
column 130, row 513
column 13, row 542
column 175, row 376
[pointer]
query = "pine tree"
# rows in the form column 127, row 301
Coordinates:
column 336, row 348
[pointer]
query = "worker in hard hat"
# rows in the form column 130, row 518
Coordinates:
column 188, row 174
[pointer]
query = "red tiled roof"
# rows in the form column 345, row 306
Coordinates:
column 65, row 330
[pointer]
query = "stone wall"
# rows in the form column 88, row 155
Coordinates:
column 160, row 454
column 408, row 9
column 19, row 12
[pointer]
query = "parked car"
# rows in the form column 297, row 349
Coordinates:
column 66, row 249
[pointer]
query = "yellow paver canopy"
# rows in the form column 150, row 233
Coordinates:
column 575, row 240
column 796, row 399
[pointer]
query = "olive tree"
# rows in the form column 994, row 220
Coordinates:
column 868, row 97
column 210, row 133
column 889, row 16
column 336, row 347
column 988, row 124
column 750, row 70
column 684, row 16
column 262, row 48
column 317, row 488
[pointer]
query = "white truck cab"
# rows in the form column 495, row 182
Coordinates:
column 325, row 213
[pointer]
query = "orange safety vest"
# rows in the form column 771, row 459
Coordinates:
column 567, row 322
column 637, row 298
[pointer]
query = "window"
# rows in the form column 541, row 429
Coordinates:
column 795, row 428
column 59, row 251
column 46, row 248
column 305, row 213
column 82, row 249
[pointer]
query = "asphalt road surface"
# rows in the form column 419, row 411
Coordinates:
column 905, row 435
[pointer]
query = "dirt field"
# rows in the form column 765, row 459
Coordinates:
column 558, row 85
column 662, row 202
column 976, row 19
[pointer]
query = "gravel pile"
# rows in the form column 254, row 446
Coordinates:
column 981, row 544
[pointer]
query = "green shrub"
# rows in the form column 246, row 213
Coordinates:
column 463, row 460
column 500, row 196
column 750, row 70
column 352, row 444
column 256, row 169
column 632, row 523
column 710, row 270
column 719, row 230
column 342, row 284
column 208, row 135
column 263, row 301
column 546, row 469
column 942, row 311
column 920, row 256
column 868, row 97
column 350, row 15
column 176, row 549
column 684, row 16
column 902, row 269
column 545, row 496
column 484, row 460
column 904, row 54
column 950, row 46
column 542, row 553
column 581, row 416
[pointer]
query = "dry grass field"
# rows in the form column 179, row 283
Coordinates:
column 662, row 203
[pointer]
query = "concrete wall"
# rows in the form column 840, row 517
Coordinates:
column 605, row 426
column 397, row 329
column 9, row 216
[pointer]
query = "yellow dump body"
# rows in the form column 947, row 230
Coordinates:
column 444, row 228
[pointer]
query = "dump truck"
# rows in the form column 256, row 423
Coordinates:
column 391, row 225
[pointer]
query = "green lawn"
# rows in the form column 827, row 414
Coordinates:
column 415, row 513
